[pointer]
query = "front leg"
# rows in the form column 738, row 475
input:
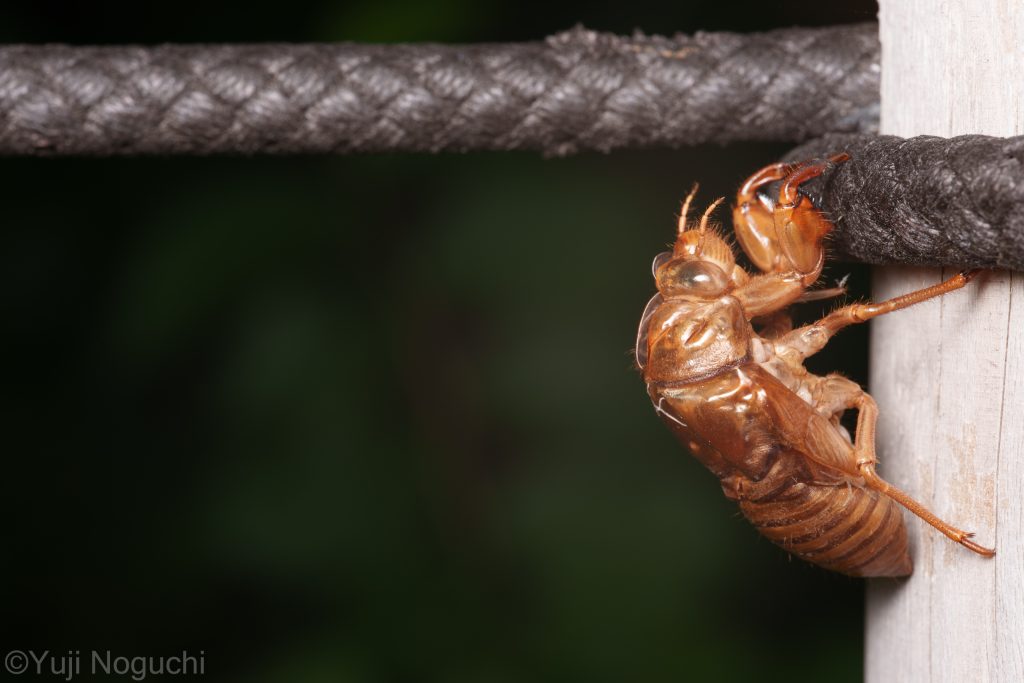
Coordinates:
column 792, row 251
column 766, row 294
column 771, row 233
column 753, row 222
column 800, row 227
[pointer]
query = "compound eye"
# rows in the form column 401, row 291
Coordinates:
column 696, row 278
column 660, row 260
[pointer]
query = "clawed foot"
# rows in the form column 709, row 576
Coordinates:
column 966, row 542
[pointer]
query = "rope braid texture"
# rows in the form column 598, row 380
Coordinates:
column 929, row 201
column 923, row 201
column 576, row 91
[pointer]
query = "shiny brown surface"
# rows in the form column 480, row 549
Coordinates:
column 742, row 401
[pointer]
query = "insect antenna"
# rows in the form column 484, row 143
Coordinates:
column 703, row 229
column 686, row 209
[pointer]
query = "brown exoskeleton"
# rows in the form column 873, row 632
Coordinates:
column 742, row 400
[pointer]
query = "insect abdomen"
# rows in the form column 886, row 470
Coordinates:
column 843, row 528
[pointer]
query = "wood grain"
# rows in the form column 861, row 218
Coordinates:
column 949, row 374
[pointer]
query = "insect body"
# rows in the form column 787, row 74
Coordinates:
column 742, row 401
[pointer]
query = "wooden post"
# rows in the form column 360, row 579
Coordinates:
column 949, row 374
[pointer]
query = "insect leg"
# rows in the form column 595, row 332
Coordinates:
column 810, row 339
column 873, row 481
column 792, row 253
column 768, row 293
column 819, row 294
column 752, row 218
column 857, row 313
column 835, row 394
column 838, row 393
column 800, row 227
column 774, row 325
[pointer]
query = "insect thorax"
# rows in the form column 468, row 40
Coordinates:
column 691, row 340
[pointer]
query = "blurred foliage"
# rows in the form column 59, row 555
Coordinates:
column 374, row 418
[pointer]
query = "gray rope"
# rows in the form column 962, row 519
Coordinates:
column 932, row 201
column 578, row 90
column 925, row 200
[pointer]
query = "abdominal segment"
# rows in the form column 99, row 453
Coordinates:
column 809, row 508
column 841, row 527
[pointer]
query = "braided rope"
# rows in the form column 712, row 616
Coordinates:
column 578, row 90
column 932, row 201
column 925, row 200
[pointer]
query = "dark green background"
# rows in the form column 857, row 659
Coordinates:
column 374, row 418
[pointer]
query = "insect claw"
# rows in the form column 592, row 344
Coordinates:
column 981, row 550
column 965, row 541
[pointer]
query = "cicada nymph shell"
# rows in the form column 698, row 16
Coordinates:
column 740, row 398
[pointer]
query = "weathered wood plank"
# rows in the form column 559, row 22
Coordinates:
column 947, row 374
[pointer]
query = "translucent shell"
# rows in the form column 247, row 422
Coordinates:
column 702, row 279
column 744, row 403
